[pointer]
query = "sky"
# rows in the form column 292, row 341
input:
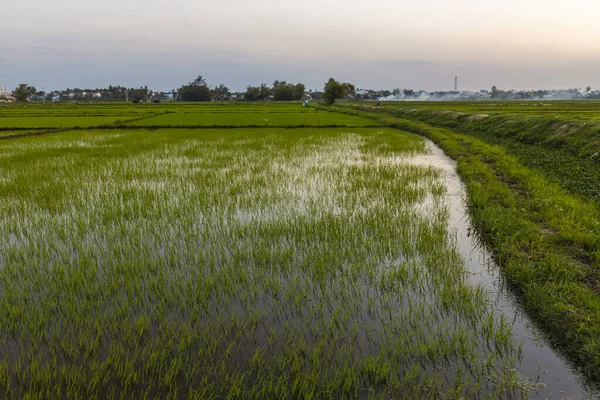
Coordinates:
column 384, row 44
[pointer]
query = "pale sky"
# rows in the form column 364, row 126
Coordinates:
column 517, row 44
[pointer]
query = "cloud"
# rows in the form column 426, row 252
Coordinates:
column 405, row 63
column 42, row 49
column 48, row 51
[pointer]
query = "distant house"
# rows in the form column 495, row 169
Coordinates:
column 5, row 97
column 166, row 97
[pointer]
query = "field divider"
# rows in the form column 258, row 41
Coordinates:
column 43, row 131
column 215, row 126
column 47, row 131
column 146, row 117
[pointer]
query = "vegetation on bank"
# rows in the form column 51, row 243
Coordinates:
column 545, row 238
column 564, row 149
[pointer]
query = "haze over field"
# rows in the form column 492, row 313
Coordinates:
column 421, row 45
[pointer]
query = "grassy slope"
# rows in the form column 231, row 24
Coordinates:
column 562, row 149
column 545, row 239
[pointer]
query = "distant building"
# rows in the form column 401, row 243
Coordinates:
column 6, row 97
column 166, row 96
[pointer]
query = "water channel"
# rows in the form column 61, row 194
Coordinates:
column 560, row 379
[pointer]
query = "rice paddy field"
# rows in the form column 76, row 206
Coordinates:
column 251, row 251
column 158, row 115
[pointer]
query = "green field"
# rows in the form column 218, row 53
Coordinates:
column 65, row 116
column 54, row 121
column 260, row 261
column 255, row 118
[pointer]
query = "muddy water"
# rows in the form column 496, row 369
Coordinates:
column 561, row 379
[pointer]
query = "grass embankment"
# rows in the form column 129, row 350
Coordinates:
column 545, row 239
column 579, row 110
column 253, row 264
column 565, row 150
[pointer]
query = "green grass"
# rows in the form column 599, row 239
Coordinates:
column 54, row 122
column 572, row 110
column 240, row 263
column 170, row 115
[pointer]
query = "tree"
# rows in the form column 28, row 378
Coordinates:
column 221, row 92
column 495, row 92
column 283, row 91
column 199, row 81
column 23, row 91
column 252, row 93
column 299, row 91
column 336, row 90
column 264, row 92
column 197, row 90
column 349, row 88
column 256, row 93
column 140, row 94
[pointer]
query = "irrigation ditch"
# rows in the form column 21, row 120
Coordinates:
column 558, row 377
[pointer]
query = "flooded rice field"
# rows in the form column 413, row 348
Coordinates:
column 268, row 263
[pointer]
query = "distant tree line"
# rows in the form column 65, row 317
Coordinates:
column 199, row 91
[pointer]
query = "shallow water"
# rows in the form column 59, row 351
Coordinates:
column 560, row 378
column 329, row 250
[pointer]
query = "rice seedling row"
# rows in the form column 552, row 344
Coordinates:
column 251, row 263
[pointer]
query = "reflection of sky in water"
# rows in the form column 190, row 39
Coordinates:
column 306, row 186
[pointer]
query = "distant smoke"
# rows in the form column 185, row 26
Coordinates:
column 537, row 95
